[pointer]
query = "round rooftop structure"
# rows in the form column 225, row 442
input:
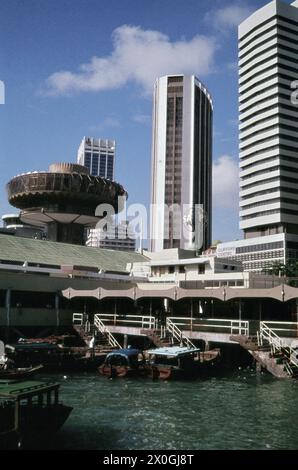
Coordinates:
column 64, row 199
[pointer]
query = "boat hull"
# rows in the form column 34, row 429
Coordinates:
column 206, row 363
column 123, row 371
column 36, row 424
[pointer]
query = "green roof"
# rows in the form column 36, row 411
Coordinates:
column 24, row 387
column 17, row 249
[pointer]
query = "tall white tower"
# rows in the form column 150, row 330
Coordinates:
column 268, row 64
column 98, row 155
column 181, row 162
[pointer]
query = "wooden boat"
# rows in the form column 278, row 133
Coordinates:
column 55, row 357
column 29, row 412
column 13, row 373
column 124, row 363
column 179, row 362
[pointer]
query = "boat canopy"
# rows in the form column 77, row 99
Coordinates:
column 174, row 351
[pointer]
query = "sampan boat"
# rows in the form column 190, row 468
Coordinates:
column 179, row 362
column 124, row 363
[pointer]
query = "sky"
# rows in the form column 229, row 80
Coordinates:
column 75, row 68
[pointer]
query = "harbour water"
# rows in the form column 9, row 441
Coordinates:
column 239, row 410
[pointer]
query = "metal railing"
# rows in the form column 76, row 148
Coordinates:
column 105, row 331
column 277, row 344
column 137, row 321
column 285, row 329
column 212, row 325
column 178, row 335
column 77, row 319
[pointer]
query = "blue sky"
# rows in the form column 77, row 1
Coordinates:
column 87, row 67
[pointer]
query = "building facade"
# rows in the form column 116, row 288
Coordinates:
column 116, row 237
column 98, row 155
column 184, row 269
column 181, row 178
column 268, row 64
column 12, row 224
column 260, row 253
column 268, row 132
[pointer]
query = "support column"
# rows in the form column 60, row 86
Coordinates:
column 240, row 310
column 57, row 309
column 8, row 313
column 240, row 317
column 115, row 311
column 296, row 311
column 125, row 341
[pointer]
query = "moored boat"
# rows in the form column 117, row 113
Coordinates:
column 55, row 357
column 179, row 362
column 124, row 363
column 13, row 373
column 29, row 412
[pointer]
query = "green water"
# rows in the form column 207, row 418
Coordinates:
column 240, row 411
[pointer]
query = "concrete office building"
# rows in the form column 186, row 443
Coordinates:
column 181, row 163
column 98, row 155
column 116, row 237
column 258, row 254
column 268, row 64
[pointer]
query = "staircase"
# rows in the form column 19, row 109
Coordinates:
column 104, row 340
column 101, row 327
column 178, row 335
column 159, row 337
column 268, row 350
column 84, row 331
column 169, row 335
column 286, row 356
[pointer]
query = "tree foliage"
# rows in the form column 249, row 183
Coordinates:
column 289, row 270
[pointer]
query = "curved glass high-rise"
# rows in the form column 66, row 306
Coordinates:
column 181, row 179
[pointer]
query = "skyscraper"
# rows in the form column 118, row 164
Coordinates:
column 98, row 155
column 268, row 64
column 181, row 162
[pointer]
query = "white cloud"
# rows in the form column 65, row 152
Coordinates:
column 140, row 56
column 225, row 183
column 230, row 16
column 109, row 122
column 142, row 118
column 232, row 66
